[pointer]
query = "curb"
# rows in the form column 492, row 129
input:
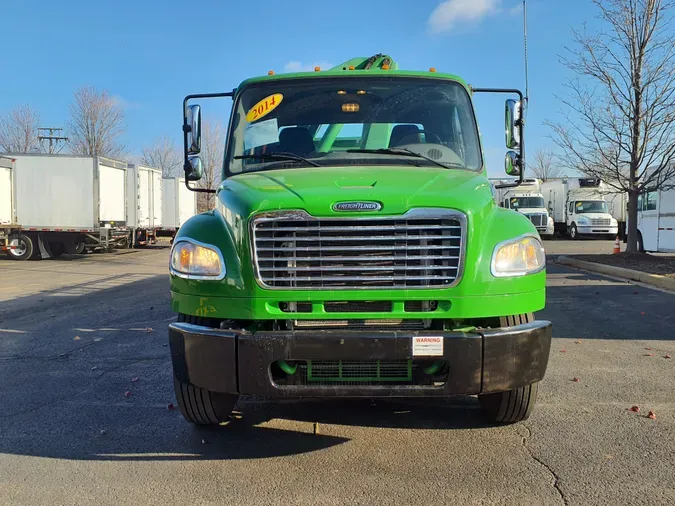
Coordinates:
column 650, row 279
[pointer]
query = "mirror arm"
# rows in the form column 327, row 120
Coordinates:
column 521, row 128
column 186, row 130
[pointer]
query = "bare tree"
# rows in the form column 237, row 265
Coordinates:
column 544, row 165
column 19, row 130
column 620, row 119
column 163, row 155
column 96, row 124
column 213, row 143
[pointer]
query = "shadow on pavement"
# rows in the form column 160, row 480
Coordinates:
column 589, row 306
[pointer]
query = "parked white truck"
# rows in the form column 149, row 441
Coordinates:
column 144, row 203
column 579, row 207
column 180, row 204
column 528, row 200
column 51, row 204
column 656, row 221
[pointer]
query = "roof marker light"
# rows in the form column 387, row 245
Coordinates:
column 351, row 67
column 270, row 72
column 385, row 67
column 432, row 69
column 317, row 69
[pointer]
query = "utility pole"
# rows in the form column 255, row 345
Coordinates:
column 527, row 87
column 52, row 138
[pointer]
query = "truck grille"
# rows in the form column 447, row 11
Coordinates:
column 600, row 222
column 538, row 220
column 420, row 249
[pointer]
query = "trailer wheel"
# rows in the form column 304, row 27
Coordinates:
column 198, row 405
column 22, row 247
column 514, row 405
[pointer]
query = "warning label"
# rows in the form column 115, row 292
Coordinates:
column 427, row 346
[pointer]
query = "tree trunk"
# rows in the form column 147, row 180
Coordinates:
column 632, row 241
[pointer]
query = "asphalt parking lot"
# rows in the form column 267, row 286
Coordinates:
column 85, row 385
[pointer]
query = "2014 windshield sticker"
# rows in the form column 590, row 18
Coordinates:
column 264, row 107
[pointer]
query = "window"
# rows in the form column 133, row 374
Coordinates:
column 571, row 208
column 591, row 207
column 321, row 118
column 650, row 201
column 527, row 202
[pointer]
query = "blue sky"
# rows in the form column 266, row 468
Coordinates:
column 150, row 54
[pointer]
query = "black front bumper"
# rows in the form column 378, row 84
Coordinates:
column 238, row 362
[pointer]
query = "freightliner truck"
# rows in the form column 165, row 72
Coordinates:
column 356, row 249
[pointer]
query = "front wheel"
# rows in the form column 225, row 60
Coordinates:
column 574, row 234
column 511, row 406
column 202, row 407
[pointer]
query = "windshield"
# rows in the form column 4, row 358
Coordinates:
column 590, row 206
column 319, row 119
column 526, row 202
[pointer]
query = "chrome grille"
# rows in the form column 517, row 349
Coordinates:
column 538, row 220
column 600, row 222
column 420, row 249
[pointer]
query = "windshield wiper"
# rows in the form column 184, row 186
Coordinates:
column 277, row 156
column 400, row 152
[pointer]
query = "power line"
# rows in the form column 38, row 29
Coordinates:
column 53, row 139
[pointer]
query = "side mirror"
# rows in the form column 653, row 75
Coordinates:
column 512, row 164
column 512, row 121
column 194, row 134
column 195, row 169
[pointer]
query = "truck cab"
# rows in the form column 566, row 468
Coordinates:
column 356, row 249
column 588, row 215
column 527, row 199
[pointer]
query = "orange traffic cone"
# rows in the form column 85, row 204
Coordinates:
column 617, row 246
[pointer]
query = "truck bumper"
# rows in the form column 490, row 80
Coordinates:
column 475, row 362
column 589, row 230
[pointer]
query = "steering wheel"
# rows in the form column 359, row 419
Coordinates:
column 437, row 152
column 416, row 136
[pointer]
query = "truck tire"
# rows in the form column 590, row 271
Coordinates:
column 24, row 246
column 573, row 231
column 198, row 405
column 202, row 407
column 514, row 405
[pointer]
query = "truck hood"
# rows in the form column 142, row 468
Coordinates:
column 532, row 210
column 317, row 189
column 591, row 216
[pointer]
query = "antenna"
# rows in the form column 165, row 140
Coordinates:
column 527, row 87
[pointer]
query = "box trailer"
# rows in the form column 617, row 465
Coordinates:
column 179, row 204
column 579, row 208
column 61, row 203
column 656, row 221
column 144, row 203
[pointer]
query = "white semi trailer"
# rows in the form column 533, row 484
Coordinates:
column 144, row 203
column 579, row 207
column 180, row 203
column 51, row 204
column 526, row 198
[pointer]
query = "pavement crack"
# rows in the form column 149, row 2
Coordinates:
column 554, row 475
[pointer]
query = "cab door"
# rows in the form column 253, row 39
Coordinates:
column 648, row 220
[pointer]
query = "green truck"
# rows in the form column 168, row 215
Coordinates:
column 356, row 249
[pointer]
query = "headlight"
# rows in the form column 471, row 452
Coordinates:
column 196, row 261
column 583, row 221
column 517, row 257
